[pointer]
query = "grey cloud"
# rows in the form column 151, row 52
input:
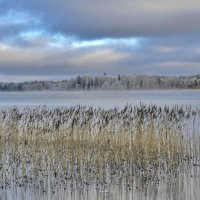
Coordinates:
column 13, row 22
column 115, row 18
column 41, row 61
column 168, row 33
column 10, row 30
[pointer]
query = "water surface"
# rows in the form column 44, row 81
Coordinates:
column 105, row 99
column 186, row 186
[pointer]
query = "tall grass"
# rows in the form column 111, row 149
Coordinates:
column 77, row 147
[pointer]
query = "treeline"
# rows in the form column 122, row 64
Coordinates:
column 120, row 82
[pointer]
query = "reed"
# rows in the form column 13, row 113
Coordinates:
column 79, row 146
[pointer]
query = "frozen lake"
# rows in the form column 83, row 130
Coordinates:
column 105, row 99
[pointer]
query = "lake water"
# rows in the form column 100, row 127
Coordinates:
column 105, row 99
column 187, row 185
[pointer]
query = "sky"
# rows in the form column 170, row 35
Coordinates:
column 58, row 39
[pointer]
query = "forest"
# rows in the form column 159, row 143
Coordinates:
column 119, row 82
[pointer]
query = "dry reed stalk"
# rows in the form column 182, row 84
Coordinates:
column 80, row 145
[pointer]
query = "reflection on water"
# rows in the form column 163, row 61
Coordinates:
column 186, row 187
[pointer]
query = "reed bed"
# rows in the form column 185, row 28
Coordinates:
column 79, row 147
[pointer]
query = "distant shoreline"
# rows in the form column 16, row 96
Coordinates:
column 120, row 82
column 103, row 90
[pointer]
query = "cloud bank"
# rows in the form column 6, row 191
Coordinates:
column 58, row 37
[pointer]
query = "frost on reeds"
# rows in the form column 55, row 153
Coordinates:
column 79, row 146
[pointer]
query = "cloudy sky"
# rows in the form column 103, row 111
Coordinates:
column 57, row 39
